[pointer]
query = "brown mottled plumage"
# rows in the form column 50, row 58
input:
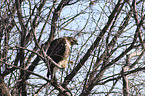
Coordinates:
column 59, row 51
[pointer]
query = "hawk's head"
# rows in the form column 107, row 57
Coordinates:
column 72, row 40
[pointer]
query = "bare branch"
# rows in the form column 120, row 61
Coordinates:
column 125, row 74
column 93, row 46
column 56, row 14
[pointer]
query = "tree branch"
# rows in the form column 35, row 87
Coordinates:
column 93, row 46
column 119, row 77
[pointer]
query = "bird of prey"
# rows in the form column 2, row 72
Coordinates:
column 59, row 51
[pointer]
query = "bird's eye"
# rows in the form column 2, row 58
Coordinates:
column 74, row 41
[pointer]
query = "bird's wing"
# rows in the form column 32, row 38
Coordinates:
column 57, row 49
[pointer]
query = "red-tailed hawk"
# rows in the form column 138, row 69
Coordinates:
column 59, row 51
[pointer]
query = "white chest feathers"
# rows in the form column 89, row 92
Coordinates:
column 67, row 44
column 64, row 61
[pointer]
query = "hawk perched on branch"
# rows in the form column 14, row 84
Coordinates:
column 59, row 51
